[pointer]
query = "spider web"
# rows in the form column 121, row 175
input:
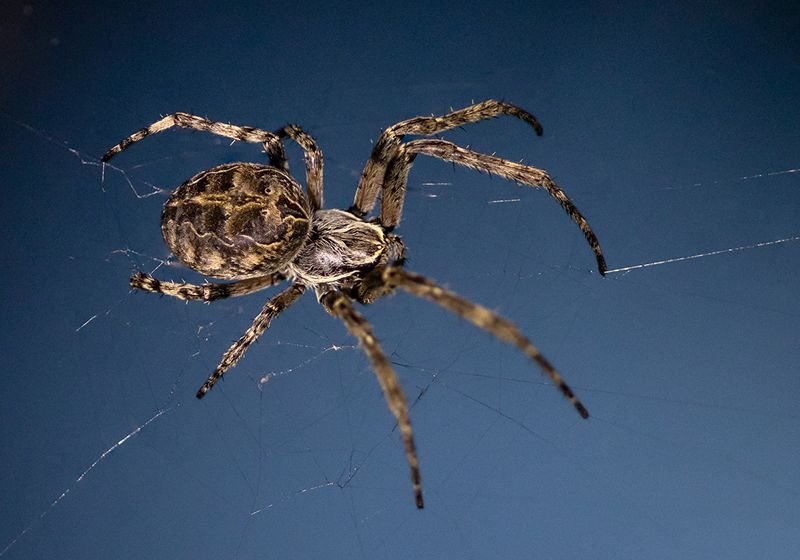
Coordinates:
column 685, row 354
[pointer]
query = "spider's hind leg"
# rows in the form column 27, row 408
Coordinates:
column 272, row 143
column 206, row 292
column 313, row 159
column 372, row 286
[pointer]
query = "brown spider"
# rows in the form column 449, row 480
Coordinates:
column 252, row 223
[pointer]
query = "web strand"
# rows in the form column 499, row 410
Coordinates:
column 708, row 254
column 91, row 467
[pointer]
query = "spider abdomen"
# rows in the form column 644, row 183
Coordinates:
column 237, row 221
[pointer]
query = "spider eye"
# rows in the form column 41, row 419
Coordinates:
column 237, row 221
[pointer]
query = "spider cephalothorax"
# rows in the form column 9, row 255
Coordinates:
column 252, row 224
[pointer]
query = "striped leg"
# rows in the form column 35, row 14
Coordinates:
column 205, row 292
column 272, row 309
column 395, row 182
column 313, row 159
column 482, row 318
column 385, row 148
column 271, row 141
column 338, row 305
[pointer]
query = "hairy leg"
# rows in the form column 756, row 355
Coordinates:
column 385, row 148
column 272, row 143
column 338, row 305
column 479, row 316
column 313, row 159
column 272, row 309
column 394, row 187
column 206, row 292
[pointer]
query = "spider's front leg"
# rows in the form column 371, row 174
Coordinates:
column 482, row 318
column 338, row 305
column 396, row 182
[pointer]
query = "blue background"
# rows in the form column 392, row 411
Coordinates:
column 674, row 129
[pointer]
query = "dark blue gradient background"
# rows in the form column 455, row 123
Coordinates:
column 675, row 130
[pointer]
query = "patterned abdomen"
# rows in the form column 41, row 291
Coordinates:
column 236, row 221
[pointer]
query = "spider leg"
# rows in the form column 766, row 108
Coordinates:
column 313, row 160
column 396, row 180
column 206, row 292
column 339, row 305
column 271, row 309
column 387, row 144
column 479, row 316
column 272, row 143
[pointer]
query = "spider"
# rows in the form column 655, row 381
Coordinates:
column 252, row 224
